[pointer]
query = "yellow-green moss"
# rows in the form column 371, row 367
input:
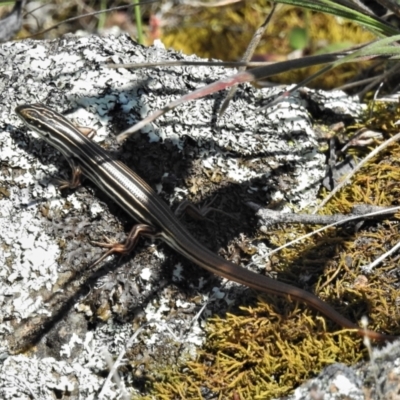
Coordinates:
column 265, row 351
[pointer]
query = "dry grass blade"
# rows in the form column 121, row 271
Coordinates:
column 217, row 3
column 226, row 64
column 391, row 5
column 247, row 56
column 380, row 79
column 114, row 367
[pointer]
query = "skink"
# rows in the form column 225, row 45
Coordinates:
column 140, row 201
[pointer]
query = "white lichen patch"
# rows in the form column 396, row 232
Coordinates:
column 146, row 274
column 23, row 377
column 28, row 258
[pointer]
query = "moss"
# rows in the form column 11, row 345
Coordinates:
column 259, row 354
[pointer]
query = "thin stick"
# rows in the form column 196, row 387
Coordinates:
column 367, row 269
column 353, row 218
column 356, row 169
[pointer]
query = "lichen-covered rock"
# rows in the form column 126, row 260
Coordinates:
column 51, row 305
